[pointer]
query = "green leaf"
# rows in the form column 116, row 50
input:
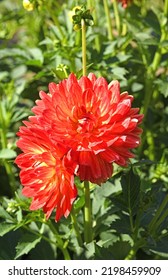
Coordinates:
column 37, row 54
column 107, row 239
column 13, row 52
column 79, row 203
column 137, row 87
column 8, row 243
column 5, row 228
column 4, row 214
column 90, row 250
column 119, row 73
column 43, row 251
column 130, row 183
column 160, row 248
column 26, row 244
column 122, row 225
column 7, row 154
column 120, row 249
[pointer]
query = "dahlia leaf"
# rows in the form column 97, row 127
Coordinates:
column 5, row 228
column 130, row 183
column 26, row 244
column 14, row 52
column 160, row 248
column 7, row 154
column 36, row 55
column 120, row 249
column 122, row 225
column 4, row 214
column 79, row 203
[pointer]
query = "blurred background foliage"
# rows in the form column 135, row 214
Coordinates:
column 38, row 46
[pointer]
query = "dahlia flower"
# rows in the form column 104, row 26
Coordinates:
column 124, row 3
column 80, row 128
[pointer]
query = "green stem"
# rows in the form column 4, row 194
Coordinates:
column 54, row 17
column 88, row 235
column 83, row 25
column 109, row 21
column 151, row 145
column 124, row 29
column 76, row 228
column 155, row 219
column 148, row 92
column 3, row 130
column 89, row 4
column 38, row 234
column 158, row 54
column 161, row 219
column 8, row 167
column 60, row 242
column 166, row 8
column 93, row 4
column 117, row 16
column 151, row 72
column 130, row 255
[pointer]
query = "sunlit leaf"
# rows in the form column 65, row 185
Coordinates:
column 5, row 228
column 7, row 154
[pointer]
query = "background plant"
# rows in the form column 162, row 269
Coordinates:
column 130, row 211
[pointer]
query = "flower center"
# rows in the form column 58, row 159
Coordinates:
column 86, row 123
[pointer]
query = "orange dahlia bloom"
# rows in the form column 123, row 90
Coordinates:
column 46, row 172
column 79, row 129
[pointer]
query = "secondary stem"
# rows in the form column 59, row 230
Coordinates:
column 60, row 242
column 8, row 167
column 93, row 4
column 159, row 211
column 76, row 228
column 109, row 21
column 117, row 16
column 151, row 72
column 88, row 235
column 83, row 25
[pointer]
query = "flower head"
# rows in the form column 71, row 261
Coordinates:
column 28, row 5
column 46, row 172
column 124, row 3
column 79, row 129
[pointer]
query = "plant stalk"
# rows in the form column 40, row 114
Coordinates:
column 76, row 228
column 117, row 17
column 61, row 244
column 83, row 25
column 109, row 21
column 157, row 217
column 8, row 167
column 88, row 234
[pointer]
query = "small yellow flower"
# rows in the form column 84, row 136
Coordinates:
column 28, row 5
column 72, row 12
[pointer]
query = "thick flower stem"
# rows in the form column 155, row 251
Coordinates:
column 93, row 4
column 109, row 21
column 83, row 25
column 88, row 235
column 117, row 16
